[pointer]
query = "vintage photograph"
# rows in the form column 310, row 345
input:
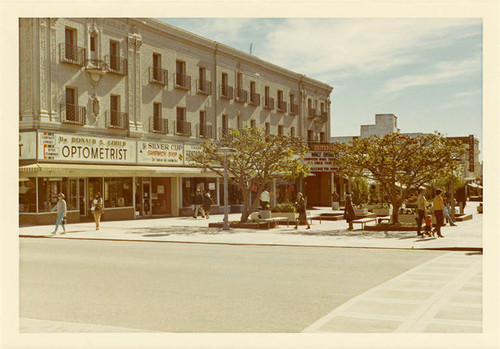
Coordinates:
column 250, row 175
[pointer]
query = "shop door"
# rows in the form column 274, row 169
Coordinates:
column 146, row 197
column 81, row 197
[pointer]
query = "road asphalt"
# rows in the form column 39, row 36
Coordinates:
column 442, row 295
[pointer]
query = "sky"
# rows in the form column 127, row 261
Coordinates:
column 428, row 72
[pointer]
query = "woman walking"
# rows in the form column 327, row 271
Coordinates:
column 300, row 205
column 438, row 212
column 61, row 208
column 349, row 214
column 97, row 209
column 207, row 204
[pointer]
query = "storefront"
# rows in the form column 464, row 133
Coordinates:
column 136, row 179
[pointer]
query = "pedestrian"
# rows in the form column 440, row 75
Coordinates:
column 61, row 208
column 300, row 205
column 197, row 202
column 438, row 211
column 428, row 225
column 421, row 210
column 335, row 201
column 349, row 214
column 265, row 198
column 207, row 204
column 447, row 212
column 461, row 199
column 97, row 209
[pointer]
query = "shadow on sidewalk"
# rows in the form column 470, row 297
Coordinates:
column 353, row 233
column 174, row 230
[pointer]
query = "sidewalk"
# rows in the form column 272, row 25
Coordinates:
column 465, row 236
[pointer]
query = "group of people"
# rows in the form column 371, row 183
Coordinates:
column 202, row 204
column 442, row 210
column 62, row 209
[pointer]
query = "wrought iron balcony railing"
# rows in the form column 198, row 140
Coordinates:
column 116, row 119
column 254, row 99
column 226, row 92
column 158, row 125
column 294, row 109
column 182, row 128
column 282, row 106
column 117, row 65
column 268, row 103
column 182, row 81
column 158, row 76
column 205, row 130
column 97, row 64
column 240, row 95
column 71, row 54
column 73, row 114
column 204, row 87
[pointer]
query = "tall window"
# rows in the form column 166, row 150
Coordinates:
column 71, row 107
column 157, row 116
column 268, row 128
column 225, row 86
column 238, row 121
column 266, row 93
column 181, row 120
column 310, row 135
column 280, row 130
column 156, row 66
column 70, row 43
column 292, row 131
column 252, row 123
column 322, row 137
column 115, row 110
column 203, row 117
column 252, row 88
column 225, row 123
column 180, row 67
column 202, row 72
column 114, row 55
column 239, row 81
column 292, row 98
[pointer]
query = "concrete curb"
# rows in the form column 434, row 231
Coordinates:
column 454, row 249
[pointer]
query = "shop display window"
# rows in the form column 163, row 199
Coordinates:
column 27, row 195
column 117, row 192
column 189, row 186
column 49, row 188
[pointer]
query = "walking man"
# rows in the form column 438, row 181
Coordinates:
column 300, row 205
column 349, row 214
column 198, row 201
column 438, row 212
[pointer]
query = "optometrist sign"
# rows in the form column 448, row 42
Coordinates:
column 79, row 148
column 160, row 153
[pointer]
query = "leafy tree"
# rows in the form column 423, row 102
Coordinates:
column 400, row 163
column 260, row 159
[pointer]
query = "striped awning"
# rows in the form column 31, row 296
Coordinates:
column 95, row 170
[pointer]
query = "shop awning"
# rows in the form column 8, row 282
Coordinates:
column 94, row 170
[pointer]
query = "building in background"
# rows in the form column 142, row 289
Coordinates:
column 116, row 106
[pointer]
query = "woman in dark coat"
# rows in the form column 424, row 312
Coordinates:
column 349, row 214
column 207, row 204
column 300, row 205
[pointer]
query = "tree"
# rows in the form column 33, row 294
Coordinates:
column 400, row 163
column 260, row 159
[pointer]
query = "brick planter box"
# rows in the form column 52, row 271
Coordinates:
column 389, row 228
column 252, row 225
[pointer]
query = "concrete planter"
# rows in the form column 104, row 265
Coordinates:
column 382, row 211
column 292, row 216
column 265, row 214
column 407, row 218
column 360, row 211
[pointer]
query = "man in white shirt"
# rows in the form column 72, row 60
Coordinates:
column 265, row 198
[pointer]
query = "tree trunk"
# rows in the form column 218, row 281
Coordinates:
column 246, row 209
column 395, row 213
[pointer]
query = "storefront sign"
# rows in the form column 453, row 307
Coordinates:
column 190, row 149
column 471, row 153
column 75, row 148
column 27, row 146
column 160, row 153
column 321, row 158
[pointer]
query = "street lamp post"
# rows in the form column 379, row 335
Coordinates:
column 226, row 151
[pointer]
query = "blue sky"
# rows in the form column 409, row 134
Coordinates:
column 428, row 72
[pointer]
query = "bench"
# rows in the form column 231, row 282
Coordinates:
column 363, row 221
column 272, row 222
column 384, row 218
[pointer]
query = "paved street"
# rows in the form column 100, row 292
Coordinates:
column 193, row 287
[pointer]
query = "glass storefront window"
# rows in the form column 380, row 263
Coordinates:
column 117, row 192
column 27, row 195
column 49, row 188
column 189, row 186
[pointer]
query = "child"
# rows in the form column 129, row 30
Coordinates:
column 428, row 226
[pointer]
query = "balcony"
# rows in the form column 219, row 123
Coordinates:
column 183, row 128
column 182, row 81
column 158, row 76
column 117, row 65
column 73, row 114
column 116, row 120
column 204, row 87
column 158, row 125
column 311, row 113
column 294, row 109
column 226, row 92
column 282, row 106
column 72, row 54
column 269, row 103
column 204, row 131
column 95, row 64
column 254, row 99
column 241, row 95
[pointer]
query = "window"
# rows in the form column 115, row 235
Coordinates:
column 266, row 94
column 292, row 98
column 239, row 81
column 157, row 110
column 93, row 39
column 224, row 80
column 181, row 114
column 71, row 104
column 280, row 96
column 322, row 108
column 280, row 130
column 114, row 55
column 117, row 192
column 202, row 117
column 238, row 121
column 322, row 137
column 183, row 127
column 202, row 72
column 292, row 131
column 268, row 128
column 27, row 194
column 310, row 135
column 156, row 66
column 252, row 123
column 70, row 44
column 225, row 123
column 252, row 88
column 49, row 188
column 180, row 67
